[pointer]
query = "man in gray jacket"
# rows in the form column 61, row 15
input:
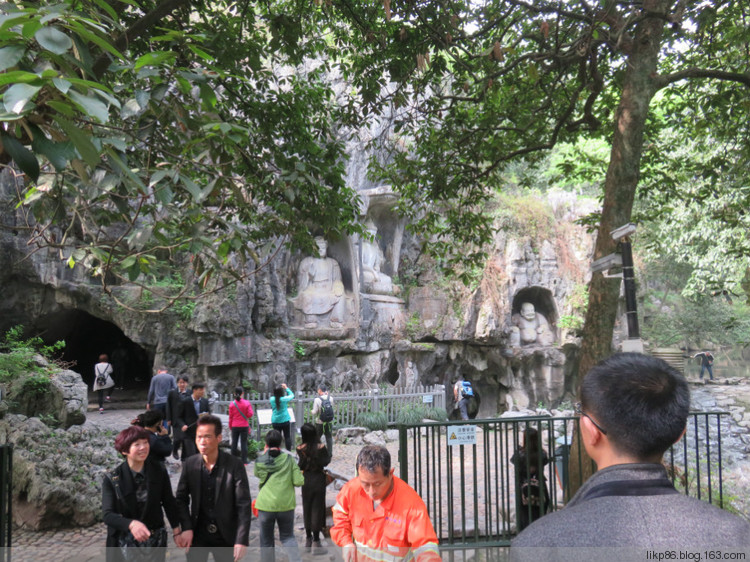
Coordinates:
column 633, row 408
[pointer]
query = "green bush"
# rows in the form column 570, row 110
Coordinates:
column 413, row 414
column 374, row 421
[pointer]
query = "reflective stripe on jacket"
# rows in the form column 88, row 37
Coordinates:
column 399, row 529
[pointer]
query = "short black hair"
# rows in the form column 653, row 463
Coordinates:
column 198, row 385
column 273, row 438
column 183, row 378
column 373, row 457
column 641, row 401
column 323, row 387
column 208, row 419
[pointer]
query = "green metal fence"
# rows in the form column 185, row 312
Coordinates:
column 463, row 471
column 6, row 494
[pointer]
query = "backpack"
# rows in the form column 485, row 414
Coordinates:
column 466, row 389
column 531, row 491
column 101, row 379
column 326, row 412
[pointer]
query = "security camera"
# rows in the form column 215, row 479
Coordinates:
column 606, row 263
column 623, row 231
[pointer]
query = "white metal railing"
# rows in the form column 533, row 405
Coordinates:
column 347, row 406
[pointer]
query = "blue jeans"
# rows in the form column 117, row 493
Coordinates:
column 285, row 519
column 710, row 370
column 463, row 407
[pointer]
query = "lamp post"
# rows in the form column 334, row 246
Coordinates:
column 622, row 236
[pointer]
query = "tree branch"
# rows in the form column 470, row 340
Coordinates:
column 137, row 29
column 666, row 79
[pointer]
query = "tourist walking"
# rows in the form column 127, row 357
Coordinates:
column 322, row 411
column 159, row 442
column 174, row 399
column 463, row 393
column 532, row 496
column 190, row 411
column 278, row 475
column 161, row 383
column 313, row 458
column 133, row 497
column 103, row 381
column 213, row 497
column 280, row 419
column 707, row 362
column 240, row 412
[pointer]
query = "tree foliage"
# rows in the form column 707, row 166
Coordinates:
column 160, row 131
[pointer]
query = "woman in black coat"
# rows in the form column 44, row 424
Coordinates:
column 532, row 496
column 313, row 458
column 134, row 495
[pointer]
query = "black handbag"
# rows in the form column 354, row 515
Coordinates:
column 150, row 549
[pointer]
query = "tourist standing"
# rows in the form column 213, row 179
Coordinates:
column 313, row 458
column 189, row 413
column 103, row 380
column 280, row 419
column 213, row 497
column 134, row 495
column 377, row 506
column 159, row 442
column 174, row 399
column 240, row 412
column 323, row 412
column 161, row 384
column 532, row 497
column 633, row 409
column 462, row 395
column 278, row 475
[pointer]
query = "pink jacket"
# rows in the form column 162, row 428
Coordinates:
column 235, row 418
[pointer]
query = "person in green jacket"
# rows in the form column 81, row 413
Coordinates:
column 280, row 419
column 278, row 474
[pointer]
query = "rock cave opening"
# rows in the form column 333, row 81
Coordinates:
column 543, row 301
column 86, row 337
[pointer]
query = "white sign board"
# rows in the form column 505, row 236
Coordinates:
column 462, row 435
column 264, row 416
column 427, row 398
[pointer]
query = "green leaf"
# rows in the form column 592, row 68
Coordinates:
column 62, row 84
column 128, row 172
column 62, row 107
column 9, row 56
column 191, row 186
column 18, row 96
column 201, row 53
column 18, row 76
column 21, row 155
column 80, row 140
column 90, row 105
column 98, row 41
column 53, row 40
column 58, row 153
column 153, row 59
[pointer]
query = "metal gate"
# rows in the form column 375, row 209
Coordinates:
column 464, row 473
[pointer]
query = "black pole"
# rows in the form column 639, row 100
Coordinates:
column 628, row 277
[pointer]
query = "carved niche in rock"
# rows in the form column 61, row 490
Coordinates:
column 532, row 318
column 322, row 307
column 373, row 279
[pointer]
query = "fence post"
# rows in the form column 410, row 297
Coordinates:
column 375, row 400
column 6, row 497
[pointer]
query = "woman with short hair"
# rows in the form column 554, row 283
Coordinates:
column 135, row 496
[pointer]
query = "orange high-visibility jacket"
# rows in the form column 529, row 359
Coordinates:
column 399, row 529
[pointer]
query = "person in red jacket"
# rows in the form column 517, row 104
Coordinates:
column 240, row 412
column 378, row 517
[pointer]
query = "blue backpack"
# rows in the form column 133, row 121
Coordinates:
column 466, row 389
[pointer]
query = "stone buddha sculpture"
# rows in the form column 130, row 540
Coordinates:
column 321, row 292
column 530, row 327
column 374, row 280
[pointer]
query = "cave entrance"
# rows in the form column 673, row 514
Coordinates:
column 86, row 337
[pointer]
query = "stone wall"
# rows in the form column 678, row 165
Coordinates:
column 429, row 329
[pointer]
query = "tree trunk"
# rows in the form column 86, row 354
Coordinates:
column 619, row 193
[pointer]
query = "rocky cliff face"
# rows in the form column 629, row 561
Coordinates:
column 323, row 319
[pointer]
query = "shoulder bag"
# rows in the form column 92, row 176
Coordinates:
column 130, row 549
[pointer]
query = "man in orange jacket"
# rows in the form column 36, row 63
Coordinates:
column 378, row 517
